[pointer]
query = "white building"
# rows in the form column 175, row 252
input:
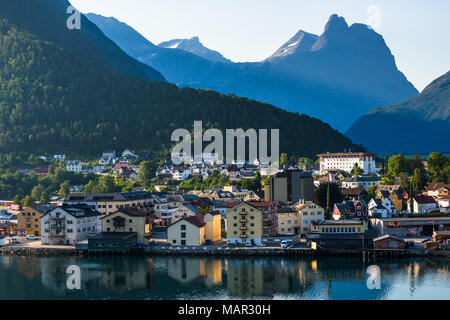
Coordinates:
column 346, row 162
column 357, row 182
column 424, row 204
column 181, row 175
column 309, row 213
column 68, row 225
column 74, row 166
column 59, row 157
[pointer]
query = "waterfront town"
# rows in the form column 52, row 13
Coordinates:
column 342, row 202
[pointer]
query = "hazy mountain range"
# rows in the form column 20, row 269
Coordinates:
column 337, row 76
column 420, row 124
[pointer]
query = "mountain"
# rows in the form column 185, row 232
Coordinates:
column 301, row 42
column 193, row 45
column 88, row 42
column 54, row 99
column 337, row 76
column 178, row 66
column 420, row 124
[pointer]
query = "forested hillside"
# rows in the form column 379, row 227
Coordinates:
column 52, row 100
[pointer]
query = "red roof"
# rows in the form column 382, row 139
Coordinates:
column 438, row 185
column 424, row 199
column 197, row 220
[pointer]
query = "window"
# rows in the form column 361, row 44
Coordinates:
column 183, row 234
column 174, row 241
column 183, row 227
column 131, row 229
column 130, row 221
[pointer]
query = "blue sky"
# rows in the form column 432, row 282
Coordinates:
column 416, row 31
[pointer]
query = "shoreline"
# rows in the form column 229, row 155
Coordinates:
column 235, row 252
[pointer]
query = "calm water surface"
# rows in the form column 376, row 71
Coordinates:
column 220, row 278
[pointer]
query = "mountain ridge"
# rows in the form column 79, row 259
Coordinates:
column 424, row 121
column 346, row 72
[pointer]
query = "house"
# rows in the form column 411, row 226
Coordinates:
column 183, row 211
column 289, row 221
column 358, row 193
column 423, row 204
column 350, row 209
column 395, row 196
column 346, row 162
column 388, row 242
column 189, row 231
column 59, row 157
column 410, row 227
column 381, row 208
column 365, row 182
column 107, row 203
column 444, row 204
column 109, row 154
column 29, row 220
column 389, row 187
column 69, row 224
column 249, row 222
column 129, row 154
column 128, row 220
column 74, row 166
column 309, row 213
column 121, row 242
column 338, row 234
column 438, row 189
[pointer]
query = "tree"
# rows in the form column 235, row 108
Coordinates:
column 404, row 180
column 357, row 171
column 105, row 184
column 284, row 159
column 327, row 194
column 398, row 164
column 416, row 162
column 64, row 189
column 371, row 193
column 27, row 201
column 37, row 191
column 435, row 163
column 418, row 180
column 204, row 211
column 146, row 173
column 45, row 198
column 17, row 199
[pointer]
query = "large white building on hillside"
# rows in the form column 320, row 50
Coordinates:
column 346, row 162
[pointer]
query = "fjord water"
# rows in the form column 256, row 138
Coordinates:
column 221, row 278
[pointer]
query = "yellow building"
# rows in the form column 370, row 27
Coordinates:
column 395, row 196
column 29, row 220
column 128, row 220
column 195, row 230
column 249, row 222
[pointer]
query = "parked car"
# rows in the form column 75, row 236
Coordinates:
column 248, row 244
column 286, row 243
column 30, row 237
column 15, row 239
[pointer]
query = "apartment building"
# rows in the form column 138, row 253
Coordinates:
column 69, row 224
column 289, row 186
column 128, row 220
column 107, row 203
column 308, row 213
column 249, row 222
column 346, row 162
column 29, row 220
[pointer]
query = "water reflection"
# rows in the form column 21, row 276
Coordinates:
column 220, row 278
